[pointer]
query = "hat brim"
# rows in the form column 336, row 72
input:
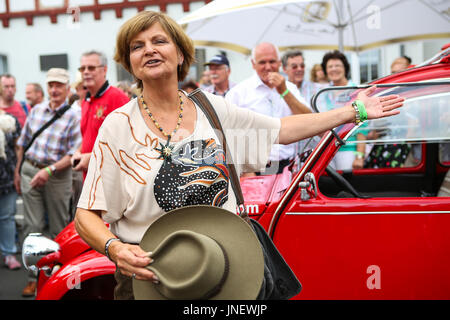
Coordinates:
column 231, row 231
column 215, row 63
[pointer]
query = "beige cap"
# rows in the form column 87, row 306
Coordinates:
column 58, row 75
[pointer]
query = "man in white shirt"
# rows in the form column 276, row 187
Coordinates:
column 269, row 93
column 219, row 72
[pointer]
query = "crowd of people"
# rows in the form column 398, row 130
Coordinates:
column 290, row 93
column 47, row 167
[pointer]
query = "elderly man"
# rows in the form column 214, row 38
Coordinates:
column 219, row 72
column 268, row 92
column 45, row 180
column 294, row 67
column 34, row 94
column 101, row 99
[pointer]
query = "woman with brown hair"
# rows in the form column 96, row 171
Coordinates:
column 337, row 69
column 317, row 74
column 159, row 152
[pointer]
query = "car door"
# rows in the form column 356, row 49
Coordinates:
column 376, row 232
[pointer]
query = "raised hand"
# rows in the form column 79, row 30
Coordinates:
column 380, row 107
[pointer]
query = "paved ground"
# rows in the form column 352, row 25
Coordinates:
column 12, row 282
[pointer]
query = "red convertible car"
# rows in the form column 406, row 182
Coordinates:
column 377, row 232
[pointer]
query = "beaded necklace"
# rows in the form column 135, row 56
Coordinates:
column 165, row 150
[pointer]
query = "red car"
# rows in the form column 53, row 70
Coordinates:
column 379, row 232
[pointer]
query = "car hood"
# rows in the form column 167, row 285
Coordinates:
column 71, row 244
column 260, row 191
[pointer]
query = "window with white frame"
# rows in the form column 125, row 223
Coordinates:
column 370, row 65
column 3, row 64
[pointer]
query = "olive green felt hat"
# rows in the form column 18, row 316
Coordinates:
column 202, row 252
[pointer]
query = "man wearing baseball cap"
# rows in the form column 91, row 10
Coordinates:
column 45, row 180
column 219, row 68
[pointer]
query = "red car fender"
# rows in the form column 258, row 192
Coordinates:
column 88, row 265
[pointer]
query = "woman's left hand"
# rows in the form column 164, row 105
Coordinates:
column 380, row 107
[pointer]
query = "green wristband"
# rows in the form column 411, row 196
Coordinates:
column 362, row 110
column 284, row 93
column 48, row 171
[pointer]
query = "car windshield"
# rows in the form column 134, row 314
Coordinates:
column 424, row 117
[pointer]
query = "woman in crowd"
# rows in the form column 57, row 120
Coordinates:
column 337, row 70
column 317, row 75
column 158, row 152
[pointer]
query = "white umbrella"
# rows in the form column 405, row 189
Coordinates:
column 351, row 25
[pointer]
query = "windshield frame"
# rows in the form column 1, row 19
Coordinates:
column 357, row 89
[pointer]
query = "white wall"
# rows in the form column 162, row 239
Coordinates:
column 23, row 44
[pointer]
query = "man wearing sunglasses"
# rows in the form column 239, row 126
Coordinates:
column 101, row 99
column 294, row 67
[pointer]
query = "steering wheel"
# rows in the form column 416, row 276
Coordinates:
column 341, row 181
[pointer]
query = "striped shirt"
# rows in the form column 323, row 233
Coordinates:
column 61, row 138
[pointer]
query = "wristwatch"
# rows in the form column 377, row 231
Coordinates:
column 52, row 168
column 357, row 114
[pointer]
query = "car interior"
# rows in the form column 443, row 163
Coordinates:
column 423, row 180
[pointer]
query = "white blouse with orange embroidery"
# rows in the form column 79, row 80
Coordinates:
column 133, row 184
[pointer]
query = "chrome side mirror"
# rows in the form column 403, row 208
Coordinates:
column 308, row 187
column 35, row 247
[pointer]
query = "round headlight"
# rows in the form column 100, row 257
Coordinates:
column 35, row 246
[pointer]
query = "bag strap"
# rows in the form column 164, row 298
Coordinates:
column 58, row 114
column 203, row 102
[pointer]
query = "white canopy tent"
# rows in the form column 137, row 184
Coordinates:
column 348, row 25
